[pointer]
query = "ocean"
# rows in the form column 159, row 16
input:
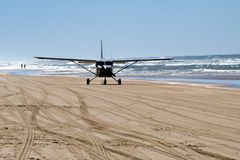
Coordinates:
column 214, row 69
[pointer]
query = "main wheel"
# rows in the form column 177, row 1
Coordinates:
column 119, row 82
column 88, row 81
column 105, row 81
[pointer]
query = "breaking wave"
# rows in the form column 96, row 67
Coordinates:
column 188, row 66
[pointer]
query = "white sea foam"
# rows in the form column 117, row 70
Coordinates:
column 179, row 66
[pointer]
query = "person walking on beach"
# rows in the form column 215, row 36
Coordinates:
column 24, row 66
column 21, row 66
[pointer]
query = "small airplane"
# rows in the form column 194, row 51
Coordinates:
column 104, row 68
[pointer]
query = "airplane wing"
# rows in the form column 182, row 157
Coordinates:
column 142, row 59
column 68, row 59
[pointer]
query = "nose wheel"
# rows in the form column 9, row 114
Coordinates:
column 105, row 81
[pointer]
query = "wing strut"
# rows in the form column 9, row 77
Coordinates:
column 125, row 67
column 84, row 68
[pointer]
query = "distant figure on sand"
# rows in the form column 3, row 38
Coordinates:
column 23, row 66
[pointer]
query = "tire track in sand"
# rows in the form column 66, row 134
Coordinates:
column 99, row 147
column 27, row 146
column 26, row 149
column 123, row 132
column 96, row 143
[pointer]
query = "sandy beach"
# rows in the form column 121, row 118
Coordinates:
column 62, row 118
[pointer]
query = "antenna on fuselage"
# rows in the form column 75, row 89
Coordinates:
column 101, row 50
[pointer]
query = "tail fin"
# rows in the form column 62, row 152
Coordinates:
column 101, row 50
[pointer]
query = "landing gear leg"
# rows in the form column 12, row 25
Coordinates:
column 105, row 81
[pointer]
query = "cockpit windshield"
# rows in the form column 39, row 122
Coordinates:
column 104, row 63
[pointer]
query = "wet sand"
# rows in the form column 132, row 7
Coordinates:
column 62, row 118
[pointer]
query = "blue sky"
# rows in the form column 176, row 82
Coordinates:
column 128, row 28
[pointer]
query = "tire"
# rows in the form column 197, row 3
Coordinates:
column 88, row 81
column 119, row 82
